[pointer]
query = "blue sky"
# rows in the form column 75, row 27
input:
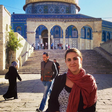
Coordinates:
column 95, row 8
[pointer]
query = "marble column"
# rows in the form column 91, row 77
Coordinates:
column 79, row 42
column 49, row 40
column 52, row 40
column 40, row 39
column 64, row 39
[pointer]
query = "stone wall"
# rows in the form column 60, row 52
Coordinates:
column 24, row 52
column 5, row 21
column 105, row 50
column 107, row 46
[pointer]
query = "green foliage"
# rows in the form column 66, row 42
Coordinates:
column 14, row 43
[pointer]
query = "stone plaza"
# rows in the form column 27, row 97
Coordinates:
column 30, row 92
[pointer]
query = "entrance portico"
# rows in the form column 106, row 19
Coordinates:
column 77, row 40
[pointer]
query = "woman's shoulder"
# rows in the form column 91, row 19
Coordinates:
column 12, row 68
column 61, row 77
column 90, row 76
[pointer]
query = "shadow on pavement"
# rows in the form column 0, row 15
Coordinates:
column 104, row 81
column 28, row 86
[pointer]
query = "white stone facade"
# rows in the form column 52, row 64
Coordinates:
column 5, row 22
column 95, row 24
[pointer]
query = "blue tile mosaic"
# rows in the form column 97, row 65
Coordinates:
column 50, row 8
column 19, row 20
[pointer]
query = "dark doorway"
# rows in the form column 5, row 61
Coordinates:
column 45, row 41
column 45, row 38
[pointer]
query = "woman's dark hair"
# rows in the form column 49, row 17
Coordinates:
column 75, row 50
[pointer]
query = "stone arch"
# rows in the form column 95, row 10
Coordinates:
column 19, row 30
column 88, row 25
column 86, row 37
column 38, row 25
column 71, row 36
column 56, row 36
column 41, row 36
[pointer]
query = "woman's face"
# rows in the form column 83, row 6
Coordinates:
column 73, row 62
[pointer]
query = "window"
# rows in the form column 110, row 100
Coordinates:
column 83, row 33
column 108, row 36
column 89, row 33
column 18, row 29
column 103, row 36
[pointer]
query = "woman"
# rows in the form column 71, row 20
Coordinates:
column 13, row 75
column 74, row 91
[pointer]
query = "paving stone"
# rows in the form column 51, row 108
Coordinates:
column 29, row 99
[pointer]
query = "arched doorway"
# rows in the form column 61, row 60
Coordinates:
column 44, row 36
column 57, row 37
column 86, row 37
column 41, row 36
column 72, row 36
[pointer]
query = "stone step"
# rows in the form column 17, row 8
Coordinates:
column 93, row 62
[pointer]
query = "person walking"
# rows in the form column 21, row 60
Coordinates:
column 33, row 46
column 12, row 77
column 57, row 65
column 48, row 73
column 51, row 45
column 74, row 91
column 66, row 46
column 38, row 46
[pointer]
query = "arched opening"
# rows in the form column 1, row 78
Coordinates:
column 41, row 37
column 86, row 37
column 57, row 37
column 18, row 29
column 44, row 36
column 104, row 36
column 72, row 37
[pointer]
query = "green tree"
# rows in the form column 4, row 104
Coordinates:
column 13, row 44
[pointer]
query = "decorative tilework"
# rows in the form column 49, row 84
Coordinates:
column 73, row 9
column 83, row 33
column 29, row 9
column 39, row 30
column 62, row 9
column 106, row 30
column 20, row 20
column 71, row 32
column 51, row 7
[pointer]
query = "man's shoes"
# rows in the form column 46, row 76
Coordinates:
column 38, row 110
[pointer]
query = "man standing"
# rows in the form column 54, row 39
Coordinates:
column 57, row 65
column 48, row 73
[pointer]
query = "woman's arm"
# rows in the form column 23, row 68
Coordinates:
column 18, row 76
column 53, row 104
column 90, row 109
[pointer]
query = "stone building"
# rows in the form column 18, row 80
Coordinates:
column 58, row 22
column 24, row 52
column 5, row 22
